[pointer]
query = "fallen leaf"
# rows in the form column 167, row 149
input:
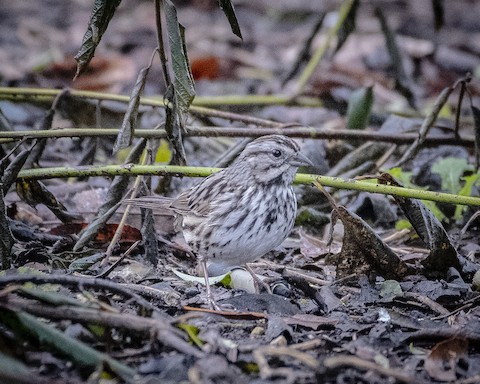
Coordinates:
column 441, row 363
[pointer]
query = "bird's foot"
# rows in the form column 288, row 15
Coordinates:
column 212, row 303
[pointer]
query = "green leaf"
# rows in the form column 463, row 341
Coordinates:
column 415, row 350
column 164, row 154
column 470, row 181
column 403, row 224
column 466, row 190
column 199, row 279
column 13, row 371
column 451, row 169
column 83, row 263
column 390, row 288
column 192, row 333
column 26, row 324
column 250, row 367
column 433, row 207
column 402, row 176
column 227, row 280
column 359, row 108
column 98, row 330
column 183, row 79
column 405, row 179
column 102, row 13
column 228, row 9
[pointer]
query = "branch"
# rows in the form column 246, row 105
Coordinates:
column 299, row 132
column 162, row 170
column 164, row 332
column 44, row 95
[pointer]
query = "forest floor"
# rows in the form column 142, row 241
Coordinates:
column 386, row 295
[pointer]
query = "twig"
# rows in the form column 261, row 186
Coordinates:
column 169, row 298
column 305, row 52
column 163, row 331
column 266, row 371
column 433, row 305
column 443, row 333
column 469, row 380
column 125, row 215
column 307, row 345
column 105, row 273
column 298, row 132
column 467, row 304
column 428, row 123
column 161, row 46
column 463, row 88
column 289, row 272
column 317, row 56
column 467, row 225
column 199, row 103
column 80, row 282
column 237, row 315
column 336, row 362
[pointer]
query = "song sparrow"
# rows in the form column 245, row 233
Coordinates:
column 242, row 212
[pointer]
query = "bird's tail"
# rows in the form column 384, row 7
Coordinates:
column 156, row 203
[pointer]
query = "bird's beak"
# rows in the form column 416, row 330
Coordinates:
column 300, row 160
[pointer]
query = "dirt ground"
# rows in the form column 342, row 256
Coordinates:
column 388, row 294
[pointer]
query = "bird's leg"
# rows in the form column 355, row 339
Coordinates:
column 211, row 301
column 257, row 281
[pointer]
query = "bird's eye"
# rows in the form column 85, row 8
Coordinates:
column 276, row 153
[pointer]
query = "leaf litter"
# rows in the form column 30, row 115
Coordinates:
column 402, row 312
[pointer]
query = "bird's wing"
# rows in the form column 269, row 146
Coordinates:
column 199, row 199
column 181, row 203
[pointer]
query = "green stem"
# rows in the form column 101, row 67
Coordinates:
column 255, row 100
column 334, row 182
column 45, row 95
column 317, row 56
column 42, row 94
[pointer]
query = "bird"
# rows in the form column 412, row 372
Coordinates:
column 242, row 212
